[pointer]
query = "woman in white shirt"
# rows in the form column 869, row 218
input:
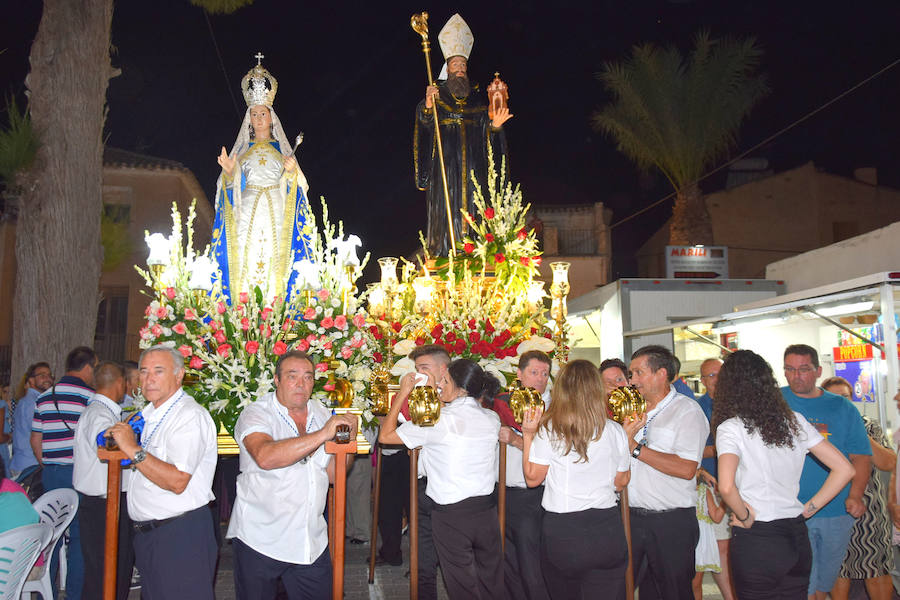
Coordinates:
column 582, row 458
column 762, row 445
column 462, row 472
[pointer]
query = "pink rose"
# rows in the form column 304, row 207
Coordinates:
column 264, row 313
column 265, row 330
column 357, row 342
column 303, row 345
column 287, row 325
column 251, row 347
column 156, row 330
column 170, row 293
column 221, row 308
column 244, row 297
column 279, row 348
column 359, row 320
column 189, row 314
column 223, row 350
column 327, row 345
column 245, row 324
column 326, row 322
column 321, row 367
column 185, row 350
column 328, row 387
column 311, row 338
column 239, row 309
column 162, row 312
column 340, row 322
column 179, row 328
column 322, row 295
column 196, row 363
column 346, row 352
column 214, row 325
column 147, row 311
column 145, row 333
column 219, row 336
column 309, row 314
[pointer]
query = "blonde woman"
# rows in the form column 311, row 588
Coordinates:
column 583, row 460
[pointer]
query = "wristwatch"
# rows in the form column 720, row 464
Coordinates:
column 637, row 450
column 139, row 457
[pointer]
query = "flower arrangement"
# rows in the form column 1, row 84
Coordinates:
column 231, row 349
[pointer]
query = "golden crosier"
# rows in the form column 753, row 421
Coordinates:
column 522, row 398
column 626, row 401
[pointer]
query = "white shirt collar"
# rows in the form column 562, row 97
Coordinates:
column 152, row 413
column 108, row 402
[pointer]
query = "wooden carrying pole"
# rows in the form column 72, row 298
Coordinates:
column 419, row 23
column 340, row 452
column 626, row 523
column 413, row 519
column 376, row 502
column 112, row 459
column 501, row 496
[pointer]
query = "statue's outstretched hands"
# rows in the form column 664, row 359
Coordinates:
column 227, row 163
column 501, row 116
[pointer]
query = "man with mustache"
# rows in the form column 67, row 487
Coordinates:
column 467, row 135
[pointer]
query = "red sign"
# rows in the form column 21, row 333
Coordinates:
column 852, row 353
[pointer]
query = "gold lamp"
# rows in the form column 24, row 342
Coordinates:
column 624, row 402
column 424, row 406
column 522, row 398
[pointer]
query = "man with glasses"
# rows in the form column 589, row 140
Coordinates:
column 841, row 424
column 38, row 379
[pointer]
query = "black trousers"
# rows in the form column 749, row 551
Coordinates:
column 178, row 558
column 428, row 556
column 666, row 540
column 256, row 576
column 393, row 501
column 92, row 520
column 467, row 540
column 522, row 562
column 771, row 560
column 584, row 554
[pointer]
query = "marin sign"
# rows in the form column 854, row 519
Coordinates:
column 697, row 262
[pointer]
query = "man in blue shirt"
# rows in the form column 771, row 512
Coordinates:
column 38, row 378
column 841, row 424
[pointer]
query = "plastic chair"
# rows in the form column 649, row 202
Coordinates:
column 56, row 508
column 19, row 548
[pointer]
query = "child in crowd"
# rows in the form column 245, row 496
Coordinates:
column 709, row 514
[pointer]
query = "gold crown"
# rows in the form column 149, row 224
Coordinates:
column 258, row 85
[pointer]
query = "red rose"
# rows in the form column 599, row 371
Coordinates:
column 245, row 324
column 287, row 325
column 189, row 314
column 489, row 237
column 459, row 346
column 220, row 336
column 373, row 329
column 223, row 350
column 499, row 353
column 196, row 363
column 471, row 323
column 537, row 260
column 244, row 297
column 469, row 247
column 488, row 326
column 437, row 331
column 340, row 322
column 185, row 350
column 251, row 347
column 221, row 307
column 489, row 213
column 303, row 345
column 522, row 234
column 377, row 356
column 279, row 348
column 397, row 326
column 264, row 313
column 469, row 218
column 499, row 258
column 474, row 337
column 524, row 260
column 450, row 337
column 327, row 322
column 321, row 367
column 170, row 293
column 420, row 341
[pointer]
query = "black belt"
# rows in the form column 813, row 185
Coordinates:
column 647, row 511
column 147, row 526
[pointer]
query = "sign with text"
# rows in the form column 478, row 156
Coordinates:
column 697, row 262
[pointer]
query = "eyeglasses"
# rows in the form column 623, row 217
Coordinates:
column 804, row 370
column 709, row 376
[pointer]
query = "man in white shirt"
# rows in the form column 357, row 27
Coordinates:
column 522, row 561
column 89, row 478
column 171, row 487
column 277, row 524
column 666, row 446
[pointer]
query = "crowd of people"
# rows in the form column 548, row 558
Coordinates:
column 774, row 490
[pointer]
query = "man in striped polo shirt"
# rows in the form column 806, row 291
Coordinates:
column 56, row 414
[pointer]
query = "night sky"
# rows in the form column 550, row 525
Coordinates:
column 351, row 74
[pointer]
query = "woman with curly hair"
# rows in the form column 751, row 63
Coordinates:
column 762, row 444
column 584, row 459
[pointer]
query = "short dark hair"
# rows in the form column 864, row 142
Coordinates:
column 129, row 366
column 531, row 355
column 467, row 375
column 79, row 358
column 430, row 350
column 674, row 375
column 614, row 363
column 293, row 354
column 106, row 373
column 31, row 369
column 803, row 350
column 658, row 357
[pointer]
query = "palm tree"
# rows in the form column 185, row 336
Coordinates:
column 680, row 114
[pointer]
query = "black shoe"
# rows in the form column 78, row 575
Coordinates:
column 381, row 561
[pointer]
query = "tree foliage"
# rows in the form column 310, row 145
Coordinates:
column 18, row 142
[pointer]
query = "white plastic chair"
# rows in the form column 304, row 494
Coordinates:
column 19, row 548
column 56, row 508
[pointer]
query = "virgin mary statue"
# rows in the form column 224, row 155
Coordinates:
column 263, row 221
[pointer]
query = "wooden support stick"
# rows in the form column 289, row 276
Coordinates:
column 501, row 496
column 626, row 523
column 373, row 536
column 111, row 543
column 339, row 513
column 413, row 518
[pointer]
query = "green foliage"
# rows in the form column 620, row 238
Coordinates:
column 680, row 114
column 18, row 142
column 221, row 7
